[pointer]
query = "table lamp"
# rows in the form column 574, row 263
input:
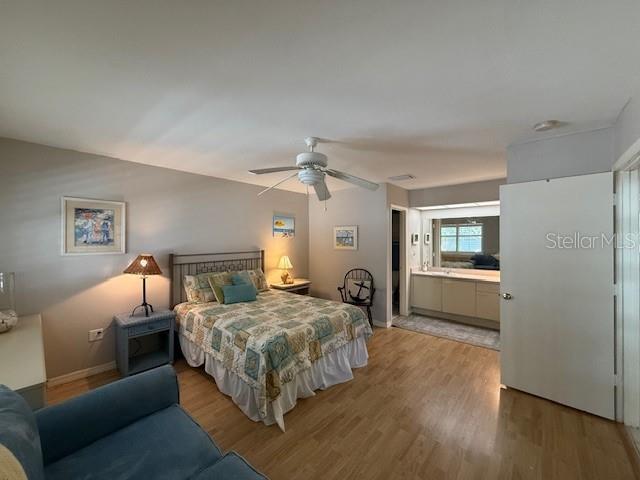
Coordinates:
column 144, row 265
column 285, row 264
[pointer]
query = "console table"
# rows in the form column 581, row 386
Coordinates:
column 22, row 360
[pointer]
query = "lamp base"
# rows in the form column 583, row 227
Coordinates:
column 146, row 306
column 144, row 303
column 285, row 277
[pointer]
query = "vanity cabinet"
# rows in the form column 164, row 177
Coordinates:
column 459, row 297
column 465, row 297
column 488, row 301
column 426, row 292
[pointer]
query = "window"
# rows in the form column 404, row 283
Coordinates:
column 464, row 238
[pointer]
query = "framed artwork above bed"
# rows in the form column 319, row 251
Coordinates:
column 92, row 227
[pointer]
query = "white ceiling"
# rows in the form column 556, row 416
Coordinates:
column 432, row 88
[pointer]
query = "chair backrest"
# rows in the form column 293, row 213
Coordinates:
column 358, row 286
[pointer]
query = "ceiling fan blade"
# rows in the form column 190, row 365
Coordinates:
column 261, row 171
column 276, row 184
column 361, row 182
column 322, row 191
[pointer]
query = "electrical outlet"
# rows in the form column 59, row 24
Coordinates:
column 95, row 335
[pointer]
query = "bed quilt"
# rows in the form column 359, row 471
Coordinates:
column 269, row 341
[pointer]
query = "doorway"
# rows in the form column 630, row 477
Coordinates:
column 395, row 263
column 627, row 313
column 397, row 271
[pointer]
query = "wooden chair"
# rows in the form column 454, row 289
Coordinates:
column 361, row 294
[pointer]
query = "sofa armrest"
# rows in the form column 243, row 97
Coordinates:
column 76, row 423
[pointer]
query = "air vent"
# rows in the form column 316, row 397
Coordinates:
column 399, row 178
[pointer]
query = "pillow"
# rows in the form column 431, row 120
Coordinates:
column 241, row 278
column 359, row 290
column 217, row 281
column 258, row 279
column 198, row 289
column 10, row 467
column 19, row 434
column 245, row 292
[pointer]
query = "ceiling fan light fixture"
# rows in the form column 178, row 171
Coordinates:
column 310, row 176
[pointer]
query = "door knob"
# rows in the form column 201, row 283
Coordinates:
column 507, row 296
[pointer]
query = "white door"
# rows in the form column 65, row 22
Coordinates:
column 557, row 330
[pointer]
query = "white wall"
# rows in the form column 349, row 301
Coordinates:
column 397, row 195
column 327, row 266
column 627, row 127
column 168, row 211
column 563, row 156
column 455, row 194
column 415, row 226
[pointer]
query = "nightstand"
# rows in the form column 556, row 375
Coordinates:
column 143, row 342
column 299, row 286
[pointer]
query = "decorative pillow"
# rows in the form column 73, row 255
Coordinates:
column 217, row 281
column 198, row 289
column 258, row 279
column 19, row 434
column 10, row 467
column 359, row 290
column 241, row 278
column 245, row 292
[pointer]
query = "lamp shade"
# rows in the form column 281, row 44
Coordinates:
column 144, row 264
column 284, row 263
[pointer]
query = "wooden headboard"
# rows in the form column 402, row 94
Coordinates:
column 194, row 263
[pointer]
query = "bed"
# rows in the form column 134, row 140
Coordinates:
column 268, row 353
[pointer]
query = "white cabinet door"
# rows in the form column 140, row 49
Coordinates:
column 426, row 292
column 459, row 297
column 557, row 330
column 488, row 301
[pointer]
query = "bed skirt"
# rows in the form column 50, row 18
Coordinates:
column 331, row 369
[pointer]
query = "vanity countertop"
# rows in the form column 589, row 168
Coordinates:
column 494, row 277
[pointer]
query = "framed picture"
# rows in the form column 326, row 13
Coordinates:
column 92, row 227
column 345, row 237
column 284, row 226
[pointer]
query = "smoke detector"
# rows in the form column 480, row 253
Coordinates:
column 547, row 125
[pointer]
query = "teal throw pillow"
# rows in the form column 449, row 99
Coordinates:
column 239, row 293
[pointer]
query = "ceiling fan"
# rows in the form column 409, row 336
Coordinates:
column 311, row 168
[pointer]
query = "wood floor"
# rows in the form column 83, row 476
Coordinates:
column 424, row 408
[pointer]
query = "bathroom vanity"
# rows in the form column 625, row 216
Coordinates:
column 466, row 296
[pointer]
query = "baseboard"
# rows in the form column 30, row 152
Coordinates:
column 377, row 323
column 474, row 321
column 78, row 374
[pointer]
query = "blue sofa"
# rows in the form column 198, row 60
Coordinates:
column 130, row 429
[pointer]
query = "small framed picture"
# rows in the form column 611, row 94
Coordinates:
column 92, row 227
column 415, row 238
column 284, row 226
column 345, row 237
